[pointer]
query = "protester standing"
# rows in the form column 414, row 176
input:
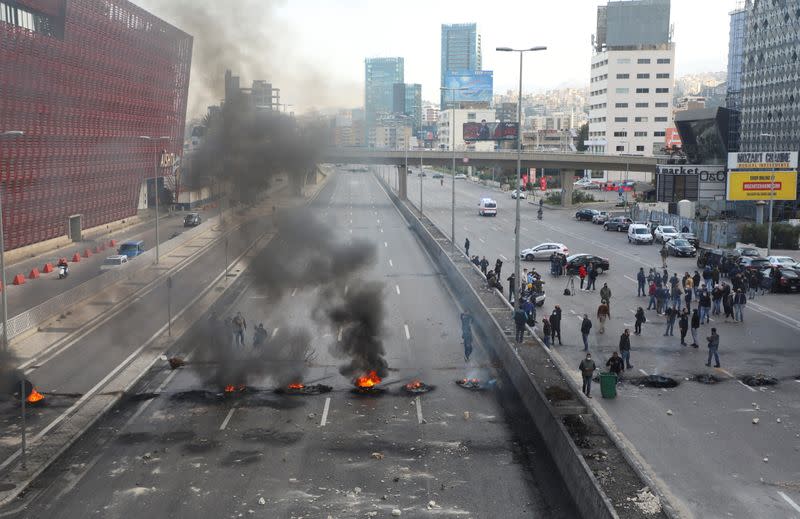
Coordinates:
column 519, row 322
column 625, row 348
column 739, row 300
column 683, row 325
column 651, row 291
column 670, row 314
column 640, row 318
column 705, row 306
column 591, row 272
column 605, row 294
column 640, row 279
column 498, row 266
column 664, row 253
column 546, row 331
column 555, row 325
column 466, row 246
column 484, row 265
column 616, row 365
column 512, row 283
column 603, row 313
column 586, row 327
column 713, row 348
column 587, row 368
column 695, row 325
column 582, row 274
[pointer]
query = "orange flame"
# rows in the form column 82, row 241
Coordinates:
column 232, row 388
column 414, row 384
column 296, row 385
column 34, row 397
column 368, row 380
column 470, row 381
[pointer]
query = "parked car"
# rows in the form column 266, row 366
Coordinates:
column 422, row 174
column 784, row 261
column 789, row 280
column 460, row 176
column 520, row 194
column 681, row 248
column 747, row 251
column 585, row 183
column 712, row 257
column 691, row 238
column 576, row 260
column 751, row 263
column 543, row 251
column 601, row 217
column 192, row 220
column 617, row 223
column 639, row 233
column 585, row 215
column 664, row 233
column 437, row 175
column 114, row 262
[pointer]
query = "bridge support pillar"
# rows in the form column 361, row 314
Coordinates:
column 567, row 179
column 402, row 177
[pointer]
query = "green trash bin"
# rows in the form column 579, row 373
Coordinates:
column 608, row 385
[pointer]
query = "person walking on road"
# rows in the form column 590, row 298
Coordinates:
column 664, row 253
column 675, row 295
column 713, row 348
column 484, row 264
column 670, row 313
column 640, row 279
column 615, row 365
column 239, row 327
column 587, row 368
column 625, row 348
column 727, row 303
column 716, row 299
column 519, row 322
column 603, row 314
column 512, row 283
column 651, row 291
column 466, row 246
column 498, row 266
column 687, row 297
column 695, row 325
column 546, row 331
column 739, row 300
column 605, row 294
column 696, row 280
column 586, row 327
column 640, row 319
column 662, row 295
column 582, row 274
column 466, row 334
column 555, row 325
column 683, row 325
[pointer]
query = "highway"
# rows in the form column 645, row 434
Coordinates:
column 698, row 439
column 184, row 450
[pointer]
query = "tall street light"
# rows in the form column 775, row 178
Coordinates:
column 771, row 198
column 155, row 179
column 3, row 287
column 453, row 149
column 519, row 159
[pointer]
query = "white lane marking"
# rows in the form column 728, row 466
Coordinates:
column 227, row 419
column 572, row 311
column 325, row 412
column 275, row 331
column 351, row 231
column 397, row 288
column 391, row 264
column 630, row 278
column 378, row 221
column 294, row 291
column 643, row 372
column 503, row 258
column 789, row 500
column 258, row 297
column 482, row 240
column 419, row 410
column 346, row 288
column 752, row 389
column 408, row 333
column 385, row 244
column 339, row 336
column 381, row 231
column 525, row 229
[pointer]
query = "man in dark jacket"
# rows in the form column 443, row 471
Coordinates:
column 670, row 313
column 640, row 280
column 498, row 266
column 696, row 279
column 705, row 306
column 484, row 265
column 519, row 323
column 616, row 365
column 640, row 318
column 713, row 347
column 466, row 246
column 555, row 325
column 591, row 273
column 586, row 327
column 739, row 300
column 625, row 348
column 587, row 368
column 695, row 323
column 683, row 324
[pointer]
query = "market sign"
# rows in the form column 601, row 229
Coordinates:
column 747, row 160
column 759, row 185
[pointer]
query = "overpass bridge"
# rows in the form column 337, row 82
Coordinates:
column 566, row 163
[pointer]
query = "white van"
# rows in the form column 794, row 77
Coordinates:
column 487, row 207
column 639, row 233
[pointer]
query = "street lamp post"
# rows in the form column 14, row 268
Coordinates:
column 519, row 159
column 453, row 174
column 771, row 199
column 3, row 287
column 155, row 180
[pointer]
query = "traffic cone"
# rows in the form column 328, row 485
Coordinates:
column 97, row 249
column 87, row 253
column 76, row 258
column 19, row 279
column 48, row 268
column 34, row 274
column 112, row 243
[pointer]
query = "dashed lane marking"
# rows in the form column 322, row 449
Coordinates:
column 630, row 278
column 275, row 331
column 503, row 258
column 397, row 288
column 408, row 333
column 294, row 291
column 325, row 409
column 643, row 372
column 790, row 501
column 227, row 419
column 482, row 240
column 391, row 264
column 339, row 335
column 419, row 410
column 346, row 288
column 385, row 244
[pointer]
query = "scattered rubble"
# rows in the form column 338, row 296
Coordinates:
column 377, row 455
column 648, row 503
column 669, row 412
column 262, row 501
column 396, row 512
column 759, row 380
column 755, row 421
column 706, row 378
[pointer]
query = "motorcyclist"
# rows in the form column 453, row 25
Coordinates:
column 62, row 264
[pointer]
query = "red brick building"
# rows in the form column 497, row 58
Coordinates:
column 84, row 79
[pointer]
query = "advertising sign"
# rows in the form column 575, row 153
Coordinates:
column 762, row 160
column 758, row 185
column 479, row 86
column 690, row 182
column 486, row 131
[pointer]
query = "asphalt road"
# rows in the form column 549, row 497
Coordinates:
column 37, row 291
column 708, row 451
column 449, row 453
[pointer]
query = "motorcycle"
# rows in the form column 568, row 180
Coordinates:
column 63, row 271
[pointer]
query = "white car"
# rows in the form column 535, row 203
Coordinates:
column 601, row 217
column 639, row 233
column 784, row 261
column 460, row 176
column 114, row 262
column 487, row 207
column 585, row 183
column 543, row 251
column 664, row 233
column 520, row 194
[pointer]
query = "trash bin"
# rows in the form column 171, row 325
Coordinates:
column 608, row 385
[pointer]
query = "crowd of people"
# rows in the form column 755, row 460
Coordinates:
column 233, row 329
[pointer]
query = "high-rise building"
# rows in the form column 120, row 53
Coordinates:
column 461, row 51
column 770, row 97
column 83, row 96
column 408, row 101
column 380, row 75
column 738, row 30
column 632, row 78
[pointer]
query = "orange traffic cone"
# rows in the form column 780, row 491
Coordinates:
column 76, row 258
column 48, row 268
column 19, row 279
column 34, row 274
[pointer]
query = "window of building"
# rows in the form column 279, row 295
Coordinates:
column 642, row 90
column 642, row 105
column 471, row 116
column 659, row 134
column 662, row 75
column 640, row 134
column 661, row 119
column 643, row 75
column 620, row 119
column 36, row 22
column 662, row 90
column 642, row 119
column 622, row 90
column 639, row 148
column 642, row 61
column 620, row 148
column 662, row 105
column 623, row 76
column 620, row 134
column 663, row 61
column 623, row 61
column 621, row 105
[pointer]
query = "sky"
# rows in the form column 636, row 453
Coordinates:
column 314, row 50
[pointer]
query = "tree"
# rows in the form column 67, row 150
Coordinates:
column 583, row 136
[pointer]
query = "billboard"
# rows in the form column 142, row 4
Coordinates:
column 690, row 182
column 763, row 160
column 485, row 131
column 758, row 185
column 479, row 86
